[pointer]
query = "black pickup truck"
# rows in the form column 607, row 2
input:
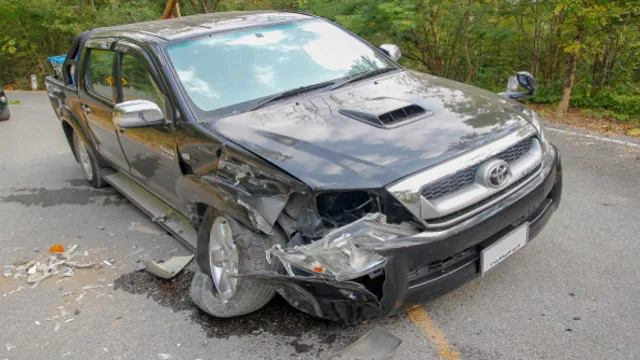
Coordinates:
column 294, row 157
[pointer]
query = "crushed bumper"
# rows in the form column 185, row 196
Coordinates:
column 421, row 267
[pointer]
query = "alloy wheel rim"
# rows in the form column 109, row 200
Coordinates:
column 223, row 258
column 85, row 160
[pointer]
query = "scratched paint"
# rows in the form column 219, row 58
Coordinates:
column 436, row 337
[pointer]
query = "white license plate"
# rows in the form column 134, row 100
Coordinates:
column 503, row 248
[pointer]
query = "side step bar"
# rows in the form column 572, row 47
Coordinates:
column 158, row 210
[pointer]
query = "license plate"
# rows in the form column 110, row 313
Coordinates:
column 503, row 248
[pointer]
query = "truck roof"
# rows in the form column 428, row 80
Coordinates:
column 189, row 26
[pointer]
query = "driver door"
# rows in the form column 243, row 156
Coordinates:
column 151, row 150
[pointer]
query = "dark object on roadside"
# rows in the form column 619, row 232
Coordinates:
column 4, row 106
column 350, row 185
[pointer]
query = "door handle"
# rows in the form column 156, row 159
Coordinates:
column 85, row 108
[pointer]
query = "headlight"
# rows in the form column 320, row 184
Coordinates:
column 539, row 125
column 342, row 253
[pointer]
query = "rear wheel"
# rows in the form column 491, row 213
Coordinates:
column 88, row 163
column 231, row 249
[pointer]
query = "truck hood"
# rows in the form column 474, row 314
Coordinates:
column 313, row 138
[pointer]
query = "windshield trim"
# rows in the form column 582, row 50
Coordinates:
column 234, row 109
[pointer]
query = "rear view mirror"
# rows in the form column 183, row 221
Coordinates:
column 138, row 113
column 524, row 79
column 392, row 51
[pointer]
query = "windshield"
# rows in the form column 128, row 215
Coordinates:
column 220, row 72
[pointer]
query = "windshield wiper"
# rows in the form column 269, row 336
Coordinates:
column 292, row 92
column 361, row 76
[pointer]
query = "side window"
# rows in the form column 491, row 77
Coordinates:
column 137, row 83
column 100, row 74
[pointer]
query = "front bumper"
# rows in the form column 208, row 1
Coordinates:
column 421, row 268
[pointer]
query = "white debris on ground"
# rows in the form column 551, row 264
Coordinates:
column 58, row 264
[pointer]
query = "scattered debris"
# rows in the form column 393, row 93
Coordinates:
column 56, row 327
column 169, row 268
column 46, row 265
column 577, row 318
column 37, row 322
column 14, row 291
column 9, row 346
column 136, row 252
column 69, row 320
column 572, row 294
column 140, row 267
column 112, row 234
column 100, row 227
column 68, row 272
column 91, row 287
column 57, row 248
column 76, row 312
column 162, row 356
column 136, row 226
column 106, row 262
column 78, row 265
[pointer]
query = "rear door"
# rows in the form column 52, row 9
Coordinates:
column 98, row 99
column 151, row 151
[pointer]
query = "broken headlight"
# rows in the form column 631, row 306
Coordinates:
column 342, row 253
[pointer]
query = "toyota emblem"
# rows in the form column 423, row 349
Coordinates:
column 495, row 173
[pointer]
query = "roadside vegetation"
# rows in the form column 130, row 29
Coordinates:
column 585, row 54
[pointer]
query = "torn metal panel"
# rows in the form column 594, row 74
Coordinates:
column 269, row 207
column 257, row 220
column 169, row 268
column 377, row 344
column 346, row 301
column 254, row 175
column 342, row 254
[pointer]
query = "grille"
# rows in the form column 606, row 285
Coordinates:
column 467, row 176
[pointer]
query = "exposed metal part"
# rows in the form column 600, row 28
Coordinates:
column 257, row 220
column 409, row 191
column 85, row 160
column 223, row 258
column 342, row 253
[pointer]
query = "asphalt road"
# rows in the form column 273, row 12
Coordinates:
column 571, row 294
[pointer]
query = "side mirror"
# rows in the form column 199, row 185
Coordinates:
column 392, row 51
column 523, row 79
column 138, row 113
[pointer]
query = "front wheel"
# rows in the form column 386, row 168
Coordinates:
column 89, row 164
column 231, row 249
column 5, row 114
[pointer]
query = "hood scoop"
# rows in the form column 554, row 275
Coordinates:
column 386, row 112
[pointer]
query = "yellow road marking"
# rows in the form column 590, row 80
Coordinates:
column 437, row 338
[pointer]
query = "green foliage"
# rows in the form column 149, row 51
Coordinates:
column 476, row 41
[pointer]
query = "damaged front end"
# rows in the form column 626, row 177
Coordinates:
column 342, row 254
column 337, row 277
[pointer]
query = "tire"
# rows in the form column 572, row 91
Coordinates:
column 249, row 295
column 88, row 163
column 5, row 114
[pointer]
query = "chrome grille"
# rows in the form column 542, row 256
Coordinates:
column 466, row 176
